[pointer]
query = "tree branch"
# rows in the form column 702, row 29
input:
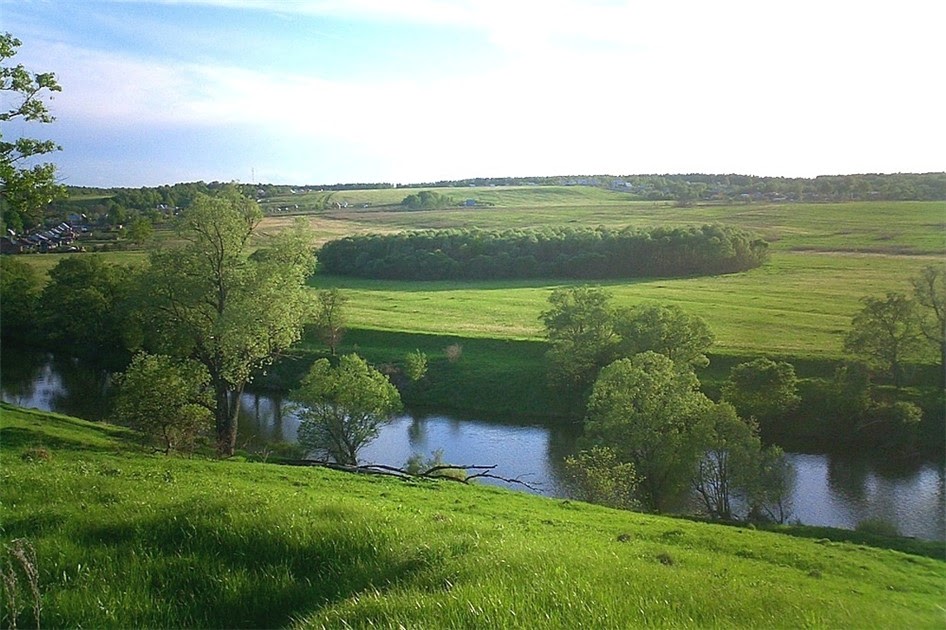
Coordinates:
column 472, row 471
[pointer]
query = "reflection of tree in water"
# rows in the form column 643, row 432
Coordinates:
column 86, row 391
column 563, row 438
column 847, row 477
column 19, row 371
column 417, row 432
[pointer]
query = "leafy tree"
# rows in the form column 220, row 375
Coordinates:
column 579, row 326
column 762, row 389
column 168, row 400
column 885, row 332
column 330, row 318
column 730, row 463
column 24, row 190
column 19, row 297
column 849, row 394
column 597, row 476
column 651, row 412
column 206, row 300
column 415, row 365
column 140, row 230
column 84, row 304
column 343, row 408
column 667, row 330
column 769, row 493
column 929, row 291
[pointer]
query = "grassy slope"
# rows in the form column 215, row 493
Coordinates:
column 125, row 539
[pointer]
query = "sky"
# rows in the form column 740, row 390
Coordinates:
column 405, row 91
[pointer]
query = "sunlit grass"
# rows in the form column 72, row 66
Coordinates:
column 128, row 539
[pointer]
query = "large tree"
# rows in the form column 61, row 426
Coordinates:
column 330, row 318
column 762, row 389
column 343, row 408
column 25, row 187
column 666, row 330
column 579, row 326
column 233, row 313
column 651, row 412
column 885, row 332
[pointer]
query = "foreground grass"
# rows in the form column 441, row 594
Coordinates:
column 127, row 539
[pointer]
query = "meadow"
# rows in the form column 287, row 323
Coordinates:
column 824, row 259
column 124, row 538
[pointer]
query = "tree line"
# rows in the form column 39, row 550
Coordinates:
column 584, row 253
column 652, row 435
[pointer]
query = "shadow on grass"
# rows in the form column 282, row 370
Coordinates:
column 216, row 568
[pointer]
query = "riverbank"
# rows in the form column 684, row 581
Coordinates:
column 129, row 539
column 506, row 378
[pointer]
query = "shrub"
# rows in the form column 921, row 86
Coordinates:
column 454, row 351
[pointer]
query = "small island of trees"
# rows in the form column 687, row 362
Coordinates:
column 583, row 253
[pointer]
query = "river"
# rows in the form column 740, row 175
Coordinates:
column 829, row 489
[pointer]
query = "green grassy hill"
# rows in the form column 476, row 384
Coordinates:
column 128, row 539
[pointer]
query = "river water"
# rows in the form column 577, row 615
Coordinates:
column 831, row 490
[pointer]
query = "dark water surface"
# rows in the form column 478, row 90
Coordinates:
column 831, row 490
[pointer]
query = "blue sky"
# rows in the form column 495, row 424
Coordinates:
column 326, row 91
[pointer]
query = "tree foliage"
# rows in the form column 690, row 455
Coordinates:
column 168, row 400
column 597, row 475
column 579, row 326
column 343, row 408
column 84, row 304
column 651, row 412
column 25, row 188
column 208, row 301
column 666, row 330
column 545, row 253
column 762, row 389
column 585, row 332
column 427, row 200
column 330, row 317
column 415, row 365
column 885, row 333
column 19, row 298
column 929, row 292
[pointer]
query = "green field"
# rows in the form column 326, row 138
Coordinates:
column 825, row 258
column 128, row 539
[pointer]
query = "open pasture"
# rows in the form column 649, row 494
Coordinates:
column 825, row 258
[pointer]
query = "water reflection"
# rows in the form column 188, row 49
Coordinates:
column 828, row 490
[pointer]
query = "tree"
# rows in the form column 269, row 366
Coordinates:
column 762, row 389
column 885, row 332
column 84, row 304
column 207, row 301
column 415, row 365
column 25, row 190
column 597, row 476
column 579, row 327
column 769, row 494
column 140, row 230
column 343, row 408
column 330, row 318
column 19, row 298
column 667, row 330
column 168, row 400
column 730, row 463
column 651, row 412
column 929, row 291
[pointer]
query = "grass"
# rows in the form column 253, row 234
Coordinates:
column 126, row 539
column 796, row 305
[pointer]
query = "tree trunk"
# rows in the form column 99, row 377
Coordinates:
column 227, row 412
